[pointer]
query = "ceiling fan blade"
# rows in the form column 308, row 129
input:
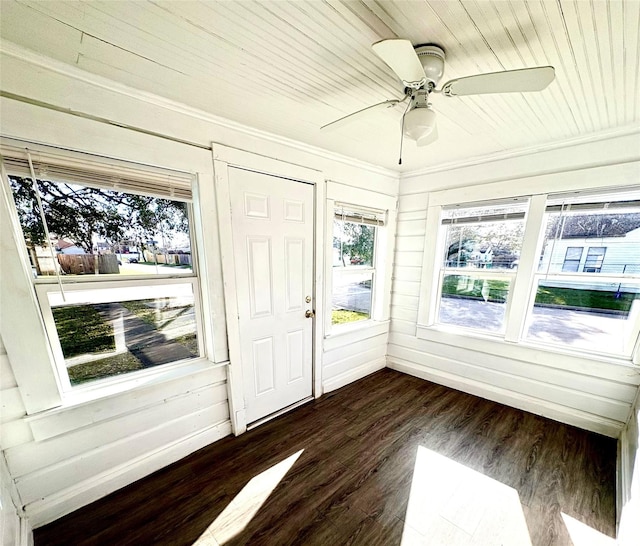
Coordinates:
column 403, row 60
column 509, row 81
column 430, row 138
column 340, row 122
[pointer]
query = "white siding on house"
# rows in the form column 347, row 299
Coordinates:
column 621, row 255
column 587, row 393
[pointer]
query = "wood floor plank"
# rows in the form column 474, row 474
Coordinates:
column 344, row 470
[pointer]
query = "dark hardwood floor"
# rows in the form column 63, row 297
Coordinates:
column 390, row 459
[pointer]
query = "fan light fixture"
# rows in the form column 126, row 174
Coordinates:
column 419, row 122
column 420, row 69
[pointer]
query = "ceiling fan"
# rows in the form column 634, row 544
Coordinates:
column 420, row 69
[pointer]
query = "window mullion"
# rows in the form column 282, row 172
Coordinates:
column 520, row 289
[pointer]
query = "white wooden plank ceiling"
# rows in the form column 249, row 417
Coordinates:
column 290, row 67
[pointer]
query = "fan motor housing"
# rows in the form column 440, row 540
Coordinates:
column 432, row 58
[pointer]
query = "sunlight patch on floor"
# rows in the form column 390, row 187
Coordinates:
column 583, row 535
column 245, row 505
column 451, row 504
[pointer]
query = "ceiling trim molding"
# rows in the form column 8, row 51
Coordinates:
column 53, row 65
column 520, row 152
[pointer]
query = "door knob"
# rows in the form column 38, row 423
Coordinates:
column 309, row 313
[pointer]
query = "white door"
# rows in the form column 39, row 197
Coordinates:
column 272, row 223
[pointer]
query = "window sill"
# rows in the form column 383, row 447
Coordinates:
column 117, row 385
column 528, row 352
column 94, row 404
column 350, row 333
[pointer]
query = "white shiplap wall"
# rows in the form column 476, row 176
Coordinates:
column 15, row 530
column 628, row 486
column 592, row 395
column 84, row 452
column 349, row 357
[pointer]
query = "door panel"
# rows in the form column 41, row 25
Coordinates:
column 260, row 289
column 263, row 365
column 294, row 272
column 272, row 224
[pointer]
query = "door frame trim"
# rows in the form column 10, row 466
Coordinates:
column 225, row 157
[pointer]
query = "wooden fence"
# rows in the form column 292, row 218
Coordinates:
column 85, row 264
column 171, row 259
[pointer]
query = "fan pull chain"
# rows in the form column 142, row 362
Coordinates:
column 402, row 132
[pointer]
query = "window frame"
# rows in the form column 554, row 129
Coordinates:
column 572, row 260
column 480, row 273
column 598, row 261
column 538, row 189
column 55, row 389
column 44, row 289
column 354, row 270
column 358, row 198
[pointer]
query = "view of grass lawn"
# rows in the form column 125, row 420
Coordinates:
column 342, row 316
column 105, row 367
column 189, row 342
column 81, row 330
column 546, row 295
column 498, row 290
column 143, row 311
column 594, row 299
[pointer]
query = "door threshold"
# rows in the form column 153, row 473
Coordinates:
column 278, row 413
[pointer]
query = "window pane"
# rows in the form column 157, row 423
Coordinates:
column 595, row 257
column 103, row 338
column 586, row 315
column 351, row 300
column 353, row 244
column 100, row 231
column 476, row 238
column 474, row 303
column 611, row 237
column 572, row 259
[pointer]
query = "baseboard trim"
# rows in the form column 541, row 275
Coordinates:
column 353, row 375
column 563, row 414
column 64, row 502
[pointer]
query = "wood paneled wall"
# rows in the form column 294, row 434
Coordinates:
column 589, row 394
column 65, row 458
column 14, row 529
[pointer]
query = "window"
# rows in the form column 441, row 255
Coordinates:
column 595, row 257
column 572, row 259
column 566, row 275
column 354, row 257
column 598, row 308
column 109, row 246
column 481, row 254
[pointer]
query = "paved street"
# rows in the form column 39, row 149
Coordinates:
column 352, row 296
column 593, row 331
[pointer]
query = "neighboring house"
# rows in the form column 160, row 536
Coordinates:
column 606, row 255
column 67, row 247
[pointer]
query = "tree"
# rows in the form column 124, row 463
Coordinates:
column 355, row 241
column 499, row 240
column 80, row 213
column 587, row 226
